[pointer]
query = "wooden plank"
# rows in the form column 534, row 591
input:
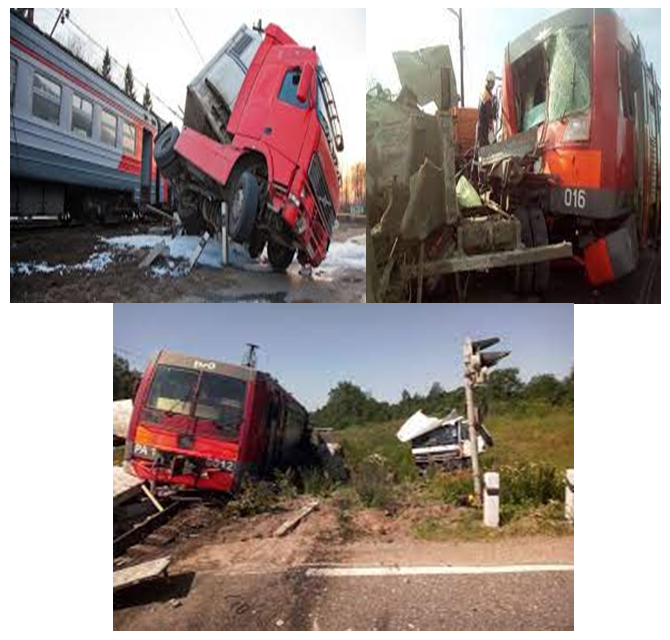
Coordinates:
column 291, row 523
column 158, row 250
column 140, row 572
column 125, row 485
column 152, row 497
column 488, row 261
column 142, row 530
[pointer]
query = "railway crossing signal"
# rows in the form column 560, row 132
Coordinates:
column 477, row 363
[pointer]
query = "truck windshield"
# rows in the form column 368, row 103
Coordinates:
column 220, row 399
column 441, row 436
column 553, row 80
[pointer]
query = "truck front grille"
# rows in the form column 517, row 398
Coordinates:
column 317, row 182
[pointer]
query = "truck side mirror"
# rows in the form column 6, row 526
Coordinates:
column 305, row 85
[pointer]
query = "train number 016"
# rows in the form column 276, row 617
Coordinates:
column 575, row 198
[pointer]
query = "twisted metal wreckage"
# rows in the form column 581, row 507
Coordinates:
column 425, row 219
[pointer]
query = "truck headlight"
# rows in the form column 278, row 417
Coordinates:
column 578, row 129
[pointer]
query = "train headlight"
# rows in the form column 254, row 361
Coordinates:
column 578, row 129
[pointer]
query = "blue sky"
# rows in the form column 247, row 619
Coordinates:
column 382, row 348
column 486, row 32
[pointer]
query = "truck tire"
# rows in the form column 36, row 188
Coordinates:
column 166, row 157
column 533, row 278
column 523, row 279
column 280, row 256
column 242, row 207
column 542, row 270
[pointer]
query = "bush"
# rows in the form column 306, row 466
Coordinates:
column 450, row 488
column 374, row 482
column 255, row 496
column 316, row 482
column 530, row 485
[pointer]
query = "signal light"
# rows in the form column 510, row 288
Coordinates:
column 477, row 361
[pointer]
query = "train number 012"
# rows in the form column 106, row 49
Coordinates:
column 575, row 198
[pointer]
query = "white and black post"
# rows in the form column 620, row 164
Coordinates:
column 491, row 499
column 570, row 495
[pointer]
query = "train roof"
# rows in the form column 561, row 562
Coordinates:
column 166, row 357
column 20, row 27
column 568, row 18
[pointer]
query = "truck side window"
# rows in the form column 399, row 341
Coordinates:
column 289, row 89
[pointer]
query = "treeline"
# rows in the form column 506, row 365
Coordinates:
column 125, row 379
column 348, row 404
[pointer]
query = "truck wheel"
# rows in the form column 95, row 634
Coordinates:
column 538, row 226
column 242, row 207
column 523, row 279
column 280, row 256
column 166, row 157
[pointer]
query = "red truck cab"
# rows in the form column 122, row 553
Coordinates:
column 268, row 149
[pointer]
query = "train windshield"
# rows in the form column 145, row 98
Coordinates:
column 208, row 396
column 553, row 79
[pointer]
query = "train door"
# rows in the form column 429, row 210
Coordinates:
column 638, row 82
column 145, row 175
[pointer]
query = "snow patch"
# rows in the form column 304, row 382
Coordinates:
column 96, row 263
column 345, row 255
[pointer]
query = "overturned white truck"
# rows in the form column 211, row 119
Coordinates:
column 443, row 442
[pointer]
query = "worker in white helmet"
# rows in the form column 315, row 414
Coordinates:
column 487, row 112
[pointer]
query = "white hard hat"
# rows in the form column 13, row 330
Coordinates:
column 490, row 76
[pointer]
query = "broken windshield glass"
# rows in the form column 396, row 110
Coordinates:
column 553, row 79
column 569, row 64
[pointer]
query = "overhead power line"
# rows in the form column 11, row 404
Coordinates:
column 188, row 31
column 93, row 41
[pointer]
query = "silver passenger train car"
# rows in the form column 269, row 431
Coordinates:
column 80, row 147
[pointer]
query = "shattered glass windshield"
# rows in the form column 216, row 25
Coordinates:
column 553, row 79
column 569, row 65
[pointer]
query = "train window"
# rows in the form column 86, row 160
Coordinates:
column 12, row 72
column 82, row 117
column 108, row 128
column 128, row 138
column 46, row 99
column 626, row 103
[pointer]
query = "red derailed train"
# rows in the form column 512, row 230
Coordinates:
column 199, row 423
column 581, row 80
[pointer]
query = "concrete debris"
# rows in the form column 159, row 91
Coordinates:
column 428, row 74
column 125, row 485
column 140, row 573
column 122, row 410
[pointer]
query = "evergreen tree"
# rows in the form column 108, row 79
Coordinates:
column 147, row 103
column 106, row 70
column 129, row 82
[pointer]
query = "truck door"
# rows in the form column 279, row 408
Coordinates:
column 288, row 120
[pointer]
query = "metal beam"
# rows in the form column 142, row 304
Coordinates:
column 487, row 261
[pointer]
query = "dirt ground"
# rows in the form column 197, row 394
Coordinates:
column 122, row 281
column 211, row 545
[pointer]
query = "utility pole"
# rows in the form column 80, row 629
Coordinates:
column 459, row 15
column 64, row 13
column 477, row 364
column 250, row 357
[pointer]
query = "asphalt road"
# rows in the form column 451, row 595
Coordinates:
column 292, row 600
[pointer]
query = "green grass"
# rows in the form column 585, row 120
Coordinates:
column 533, row 445
column 541, row 434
